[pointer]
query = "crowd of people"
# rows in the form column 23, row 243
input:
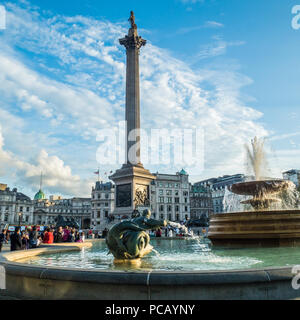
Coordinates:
column 31, row 238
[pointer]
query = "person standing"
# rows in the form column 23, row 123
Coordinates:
column 59, row 234
column 33, row 238
column 71, row 237
column 16, row 240
column 48, row 237
column 82, row 237
column 158, row 233
column 2, row 238
column 25, row 240
column 66, row 234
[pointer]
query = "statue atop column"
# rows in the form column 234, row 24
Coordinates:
column 132, row 40
column 132, row 20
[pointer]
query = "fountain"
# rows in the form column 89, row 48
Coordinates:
column 264, row 192
column 128, row 240
column 180, row 268
column 274, row 218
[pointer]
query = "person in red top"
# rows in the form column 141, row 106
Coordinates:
column 158, row 233
column 48, row 236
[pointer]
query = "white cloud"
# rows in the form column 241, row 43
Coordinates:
column 207, row 24
column 57, row 176
column 216, row 48
column 214, row 24
column 72, row 79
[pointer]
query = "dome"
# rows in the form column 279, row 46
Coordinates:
column 40, row 195
column 183, row 172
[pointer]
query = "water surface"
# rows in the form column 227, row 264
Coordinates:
column 175, row 255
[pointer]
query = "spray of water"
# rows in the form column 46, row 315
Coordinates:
column 269, row 195
column 179, row 226
column 257, row 159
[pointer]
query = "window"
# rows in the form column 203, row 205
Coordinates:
column 161, row 192
column 176, row 193
column 161, row 208
column 169, row 208
column 161, row 199
column 27, row 209
column 170, row 217
column 169, row 200
column 98, row 214
column 169, row 192
column 176, row 200
column 106, row 214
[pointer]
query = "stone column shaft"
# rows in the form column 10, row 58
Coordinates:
column 133, row 43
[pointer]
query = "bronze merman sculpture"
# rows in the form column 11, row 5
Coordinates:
column 128, row 240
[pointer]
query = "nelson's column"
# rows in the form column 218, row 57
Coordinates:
column 132, row 180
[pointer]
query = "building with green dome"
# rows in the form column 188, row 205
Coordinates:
column 183, row 172
column 40, row 195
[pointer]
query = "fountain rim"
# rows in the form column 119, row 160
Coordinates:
column 10, row 260
column 30, row 282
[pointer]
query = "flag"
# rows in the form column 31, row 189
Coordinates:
column 97, row 172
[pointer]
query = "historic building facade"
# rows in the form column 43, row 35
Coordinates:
column 15, row 207
column 46, row 212
column 218, row 188
column 201, row 202
column 102, row 204
column 170, row 196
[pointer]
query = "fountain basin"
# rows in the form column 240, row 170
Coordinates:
column 258, row 228
column 44, row 282
column 258, row 188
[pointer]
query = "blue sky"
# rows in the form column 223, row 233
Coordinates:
column 230, row 67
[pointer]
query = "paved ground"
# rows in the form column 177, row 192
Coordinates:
column 3, row 296
column 5, row 248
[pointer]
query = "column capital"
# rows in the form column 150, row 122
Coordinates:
column 133, row 40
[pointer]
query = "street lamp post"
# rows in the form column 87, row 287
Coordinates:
column 20, row 215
